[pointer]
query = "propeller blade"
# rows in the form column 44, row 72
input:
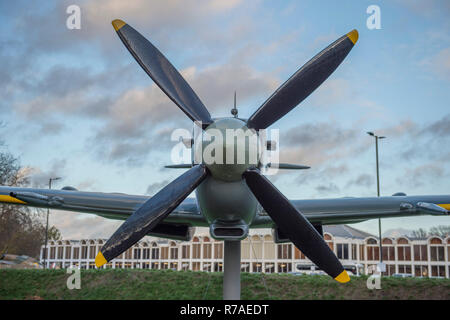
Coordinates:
column 162, row 72
column 154, row 210
column 293, row 224
column 302, row 83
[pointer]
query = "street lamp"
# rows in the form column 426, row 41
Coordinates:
column 378, row 188
column 46, row 226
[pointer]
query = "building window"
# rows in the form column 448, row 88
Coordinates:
column 155, row 254
column 185, row 266
column 68, row 250
column 354, row 251
column 388, row 253
column 92, row 252
column 185, row 252
column 137, row 253
column 245, row 267
column 438, row 271
column 207, row 267
column 285, row 251
column 390, row 269
column 269, row 267
column 218, row 250
column 373, row 253
column 437, row 253
column 362, row 256
column 404, row 269
column 165, row 253
column 146, row 254
column 342, row 250
column 52, row 252
column 284, row 267
column 257, row 267
column 196, row 266
column 196, row 251
column 421, row 271
column 218, row 267
column 84, row 252
column 60, row 253
column 420, row 253
column 207, row 251
column 76, row 253
column 173, row 253
column 404, row 253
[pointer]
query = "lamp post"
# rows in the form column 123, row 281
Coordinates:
column 378, row 188
column 46, row 226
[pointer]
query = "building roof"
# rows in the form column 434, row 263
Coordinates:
column 345, row 231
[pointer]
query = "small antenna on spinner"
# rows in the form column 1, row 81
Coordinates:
column 234, row 111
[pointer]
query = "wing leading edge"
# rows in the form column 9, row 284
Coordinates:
column 115, row 206
column 353, row 210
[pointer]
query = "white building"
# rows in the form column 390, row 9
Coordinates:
column 427, row 257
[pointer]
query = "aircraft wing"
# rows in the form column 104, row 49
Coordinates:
column 119, row 206
column 353, row 210
column 116, row 206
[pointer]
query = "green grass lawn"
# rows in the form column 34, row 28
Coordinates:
column 174, row 285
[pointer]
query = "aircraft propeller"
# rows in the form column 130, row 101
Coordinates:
column 290, row 221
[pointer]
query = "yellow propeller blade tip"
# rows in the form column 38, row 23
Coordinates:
column 342, row 277
column 100, row 260
column 353, row 36
column 117, row 24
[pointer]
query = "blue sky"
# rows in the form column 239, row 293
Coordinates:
column 76, row 104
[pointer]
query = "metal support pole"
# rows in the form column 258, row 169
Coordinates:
column 46, row 225
column 378, row 194
column 46, row 228
column 232, row 270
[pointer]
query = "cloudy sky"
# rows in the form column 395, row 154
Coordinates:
column 75, row 104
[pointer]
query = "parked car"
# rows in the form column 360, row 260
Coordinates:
column 402, row 275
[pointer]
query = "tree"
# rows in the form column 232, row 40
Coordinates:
column 22, row 230
column 420, row 233
column 54, row 234
column 440, row 231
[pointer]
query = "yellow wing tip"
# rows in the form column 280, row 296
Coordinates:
column 100, row 260
column 117, row 24
column 343, row 277
column 353, row 36
column 9, row 199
